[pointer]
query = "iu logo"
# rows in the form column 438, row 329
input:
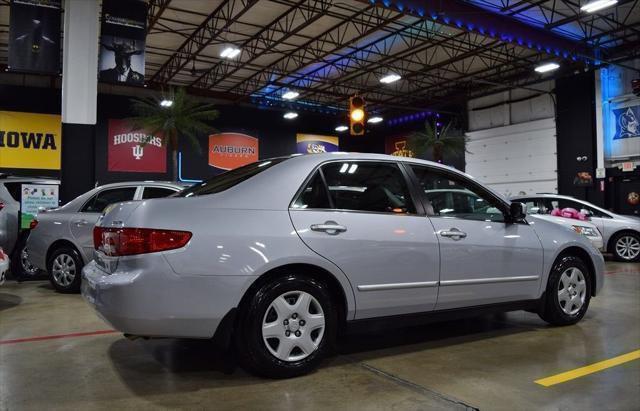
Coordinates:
column 138, row 152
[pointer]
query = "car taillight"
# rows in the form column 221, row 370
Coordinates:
column 131, row 241
column 1, row 205
column 33, row 224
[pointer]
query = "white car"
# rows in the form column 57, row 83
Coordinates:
column 4, row 265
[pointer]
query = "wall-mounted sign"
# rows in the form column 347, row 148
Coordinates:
column 627, row 121
column 122, row 41
column 583, row 179
column 314, row 144
column 34, row 197
column 29, row 140
column 134, row 150
column 34, row 36
column 397, row 146
column 628, row 166
column 232, row 150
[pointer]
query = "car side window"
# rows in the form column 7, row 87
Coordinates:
column 156, row 192
column 100, row 201
column 535, row 206
column 359, row 186
column 452, row 197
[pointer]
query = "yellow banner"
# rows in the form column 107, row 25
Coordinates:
column 29, row 140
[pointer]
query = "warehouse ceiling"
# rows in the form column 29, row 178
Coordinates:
column 327, row 50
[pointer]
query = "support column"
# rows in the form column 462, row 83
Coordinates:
column 79, row 96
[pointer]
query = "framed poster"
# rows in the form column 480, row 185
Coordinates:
column 34, row 197
column 314, row 144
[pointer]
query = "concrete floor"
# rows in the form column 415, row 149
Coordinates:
column 486, row 363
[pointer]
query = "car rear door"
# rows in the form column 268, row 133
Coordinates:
column 81, row 223
column 484, row 259
column 361, row 216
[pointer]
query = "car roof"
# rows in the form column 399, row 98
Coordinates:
column 547, row 195
column 35, row 180
column 143, row 183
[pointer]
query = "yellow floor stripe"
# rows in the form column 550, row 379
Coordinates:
column 589, row 369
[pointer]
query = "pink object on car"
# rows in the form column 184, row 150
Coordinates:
column 569, row 213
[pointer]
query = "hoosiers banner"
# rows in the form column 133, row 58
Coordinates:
column 29, row 140
column 134, row 150
column 34, row 36
column 232, row 150
column 314, row 144
column 122, row 41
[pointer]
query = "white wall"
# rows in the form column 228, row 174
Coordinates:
column 512, row 140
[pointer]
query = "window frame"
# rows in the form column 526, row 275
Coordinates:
column 143, row 188
column 481, row 192
column 413, row 192
column 82, row 209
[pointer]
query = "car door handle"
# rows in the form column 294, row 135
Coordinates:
column 453, row 233
column 329, row 227
column 80, row 223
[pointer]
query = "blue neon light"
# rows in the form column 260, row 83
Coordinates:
column 184, row 180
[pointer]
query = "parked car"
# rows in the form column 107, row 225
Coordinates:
column 465, row 201
column 620, row 233
column 61, row 240
column 13, row 238
column 280, row 255
column 4, row 265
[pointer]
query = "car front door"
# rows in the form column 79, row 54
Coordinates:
column 360, row 216
column 81, row 224
column 484, row 258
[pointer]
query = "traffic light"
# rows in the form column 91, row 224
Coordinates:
column 356, row 116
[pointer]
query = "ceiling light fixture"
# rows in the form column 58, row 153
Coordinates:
column 341, row 128
column 290, row 95
column 230, row 52
column 290, row 115
column 166, row 103
column 596, row 5
column 390, row 78
column 374, row 120
column 547, row 67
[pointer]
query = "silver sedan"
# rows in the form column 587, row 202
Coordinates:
column 281, row 255
column 620, row 233
column 61, row 240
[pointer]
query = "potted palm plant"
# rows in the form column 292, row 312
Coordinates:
column 173, row 116
column 442, row 141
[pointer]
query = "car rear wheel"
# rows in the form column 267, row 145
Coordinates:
column 626, row 247
column 286, row 328
column 21, row 267
column 568, row 292
column 65, row 270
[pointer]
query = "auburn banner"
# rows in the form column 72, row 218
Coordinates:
column 134, row 150
column 314, row 144
column 232, row 150
column 29, row 140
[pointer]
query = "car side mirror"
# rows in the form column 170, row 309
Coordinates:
column 517, row 211
column 586, row 212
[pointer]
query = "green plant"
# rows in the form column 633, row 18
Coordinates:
column 186, row 118
column 442, row 141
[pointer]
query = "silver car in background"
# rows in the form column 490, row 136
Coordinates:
column 281, row 255
column 620, row 233
column 62, row 240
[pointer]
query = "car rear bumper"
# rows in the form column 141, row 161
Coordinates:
column 145, row 297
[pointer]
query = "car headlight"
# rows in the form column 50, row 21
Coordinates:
column 586, row 231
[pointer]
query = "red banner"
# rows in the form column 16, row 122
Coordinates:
column 134, row 150
column 232, row 150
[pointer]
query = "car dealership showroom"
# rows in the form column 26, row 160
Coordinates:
column 320, row 204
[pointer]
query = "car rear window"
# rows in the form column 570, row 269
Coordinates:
column 229, row 179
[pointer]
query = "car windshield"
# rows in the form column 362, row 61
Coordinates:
column 229, row 179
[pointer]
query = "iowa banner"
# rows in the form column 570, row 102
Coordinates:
column 34, row 36
column 134, row 150
column 122, row 41
column 29, row 140
column 314, row 144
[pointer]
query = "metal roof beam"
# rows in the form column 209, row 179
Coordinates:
column 156, row 8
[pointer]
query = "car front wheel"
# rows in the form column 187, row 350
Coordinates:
column 286, row 328
column 65, row 270
column 568, row 292
column 626, row 247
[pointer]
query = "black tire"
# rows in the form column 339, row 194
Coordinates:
column 553, row 310
column 59, row 258
column 618, row 253
column 21, row 269
column 251, row 348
